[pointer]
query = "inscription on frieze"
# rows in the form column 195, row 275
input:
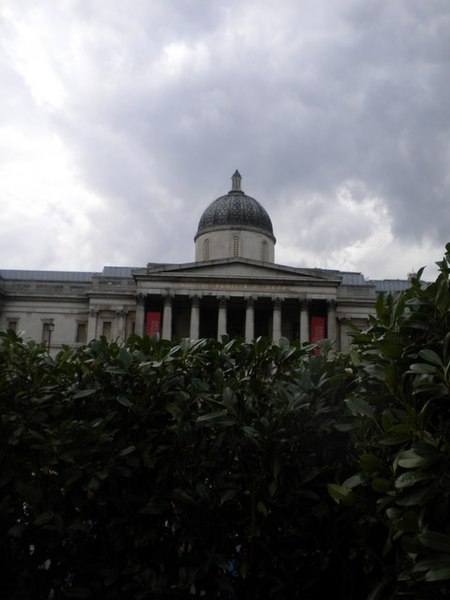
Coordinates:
column 232, row 286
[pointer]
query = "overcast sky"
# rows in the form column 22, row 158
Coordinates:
column 121, row 120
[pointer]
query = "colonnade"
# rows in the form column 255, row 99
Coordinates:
column 304, row 314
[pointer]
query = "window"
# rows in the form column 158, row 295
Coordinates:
column 81, row 337
column 12, row 325
column 106, row 329
column 264, row 251
column 235, row 245
column 47, row 330
column 48, row 327
column 206, row 249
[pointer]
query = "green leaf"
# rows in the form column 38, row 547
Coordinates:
column 409, row 479
column 438, row 574
column 369, row 463
column 17, row 530
column 352, row 481
column 435, row 541
column 276, row 467
column 437, row 569
column 394, row 438
column 219, row 378
column 124, row 401
column 218, row 415
column 273, row 488
column 422, row 566
column 44, row 518
column 411, row 460
column 127, row 451
column 380, row 484
column 261, row 507
column 84, row 393
column 408, row 522
column 339, row 493
column 431, row 356
column 125, row 358
column 358, row 406
column 416, row 498
column 244, row 569
column 228, row 495
column 422, row 368
column 229, row 397
column 376, row 594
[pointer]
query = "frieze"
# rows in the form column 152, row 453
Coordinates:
column 234, row 283
column 232, row 286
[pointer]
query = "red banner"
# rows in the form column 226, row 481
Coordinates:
column 153, row 323
column 317, row 328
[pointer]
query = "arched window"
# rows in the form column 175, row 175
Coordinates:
column 235, row 245
column 264, row 251
column 206, row 249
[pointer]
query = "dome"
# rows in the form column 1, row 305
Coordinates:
column 235, row 210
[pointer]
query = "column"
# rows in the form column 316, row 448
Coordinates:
column 194, row 330
column 337, row 345
column 222, row 318
column 344, row 338
column 304, row 321
column 92, row 324
column 167, row 319
column 331, row 320
column 250, row 320
column 276, row 321
column 140, row 315
column 121, row 316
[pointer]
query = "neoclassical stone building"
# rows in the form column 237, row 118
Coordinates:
column 233, row 287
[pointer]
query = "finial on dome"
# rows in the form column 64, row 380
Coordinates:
column 236, row 182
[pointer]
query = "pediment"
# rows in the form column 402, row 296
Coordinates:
column 236, row 268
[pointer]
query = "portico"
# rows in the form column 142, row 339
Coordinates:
column 248, row 315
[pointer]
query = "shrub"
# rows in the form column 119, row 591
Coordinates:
column 401, row 428
column 153, row 470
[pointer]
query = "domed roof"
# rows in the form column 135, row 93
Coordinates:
column 235, row 210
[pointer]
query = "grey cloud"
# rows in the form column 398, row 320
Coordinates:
column 300, row 100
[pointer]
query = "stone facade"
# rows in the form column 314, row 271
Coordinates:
column 234, row 287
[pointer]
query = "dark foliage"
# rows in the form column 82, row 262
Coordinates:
column 160, row 471
column 231, row 470
column 401, row 428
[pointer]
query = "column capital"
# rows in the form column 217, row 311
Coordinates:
column 222, row 300
column 332, row 304
column 250, row 300
column 140, row 299
column 195, row 300
column 168, row 300
column 93, row 312
column 121, row 312
column 277, row 301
